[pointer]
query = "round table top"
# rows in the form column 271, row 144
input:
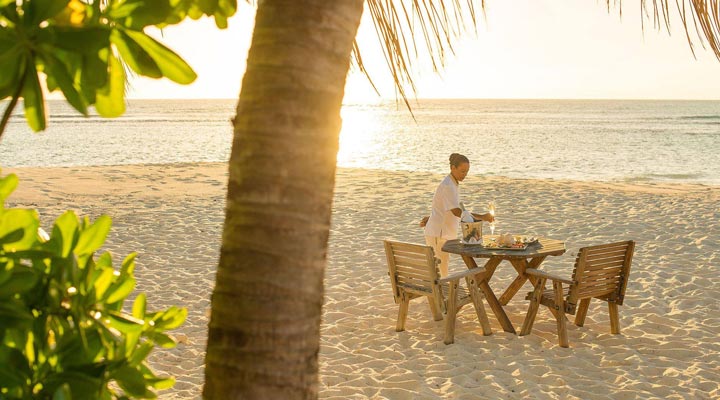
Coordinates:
column 543, row 247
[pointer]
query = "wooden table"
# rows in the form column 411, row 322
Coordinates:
column 531, row 257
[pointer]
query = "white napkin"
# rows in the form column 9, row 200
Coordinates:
column 467, row 217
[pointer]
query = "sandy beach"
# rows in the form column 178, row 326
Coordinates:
column 669, row 348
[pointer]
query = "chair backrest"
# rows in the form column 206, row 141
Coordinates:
column 412, row 268
column 602, row 271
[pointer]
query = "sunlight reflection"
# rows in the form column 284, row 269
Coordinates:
column 362, row 125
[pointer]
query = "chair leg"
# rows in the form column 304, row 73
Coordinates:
column 436, row 313
column 478, row 304
column 560, row 317
column 614, row 318
column 533, row 308
column 403, row 312
column 582, row 312
column 451, row 313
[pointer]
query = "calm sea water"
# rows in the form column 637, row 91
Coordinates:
column 600, row 140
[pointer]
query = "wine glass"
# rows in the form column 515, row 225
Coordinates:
column 491, row 211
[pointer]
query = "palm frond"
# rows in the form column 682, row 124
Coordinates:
column 410, row 29
column 404, row 26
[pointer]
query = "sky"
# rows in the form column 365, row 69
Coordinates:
column 531, row 49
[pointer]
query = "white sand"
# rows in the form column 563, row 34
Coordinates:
column 670, row 342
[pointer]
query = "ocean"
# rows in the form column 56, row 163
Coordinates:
column 586, row 140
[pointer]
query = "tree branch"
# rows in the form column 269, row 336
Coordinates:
column 13, row 103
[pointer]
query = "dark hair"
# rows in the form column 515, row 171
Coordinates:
column 457, row 159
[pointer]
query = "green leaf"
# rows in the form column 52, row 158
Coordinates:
column 56, row 70
column 13, row 315
column 128, row 264
column 130, row 380
column 172, row 318
column 102, row 282
column 227, row 7
column 131, row 340
column 162, row 340
column 110, row 99
column 11, row 377
column 124, row 323
column 93, row 75
column 10, row 60
column 139, row 355
column 81, row 385
column 134, row 55
column 44, row 9
column 93, row 237
column 171, row 65
column 33, row 99
column 125, row 287
column 85, row 40
column 13, row 236
column 22, row 280
column 137, row 14
column 104, row 261
column 11, row 13
column 7, row 186
column 6, row 269
column 208, row 6
column 65, row 234
column 161, row 383
column 139, row 306
column 123, row 9
column 62, row 393
column 16, row 218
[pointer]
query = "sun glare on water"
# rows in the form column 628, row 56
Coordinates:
column 358, row 137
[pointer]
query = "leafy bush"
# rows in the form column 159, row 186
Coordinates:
column 63, row 330
column 81, row 48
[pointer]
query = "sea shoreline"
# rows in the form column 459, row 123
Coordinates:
column 658, row 186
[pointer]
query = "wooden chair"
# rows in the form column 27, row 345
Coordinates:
column 414, row 274
column 601, row 272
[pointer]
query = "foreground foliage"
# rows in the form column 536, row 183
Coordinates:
column 63, row 331
column 81, row 47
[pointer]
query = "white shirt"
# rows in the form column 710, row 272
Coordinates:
column 442, row 222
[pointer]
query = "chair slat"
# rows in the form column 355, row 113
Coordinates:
column 400, row 272
column 612, row 271
column 417, row 253
column 412, row 263
column 612, row 250
column 608, row 246
column 606, row 259
column 597, row 291
column 607, row 281
column 589, row 280
column 598, row 282
column 404, row 276
column 597, row 267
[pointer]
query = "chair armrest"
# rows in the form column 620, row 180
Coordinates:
column 459, row 275
column 543, row 274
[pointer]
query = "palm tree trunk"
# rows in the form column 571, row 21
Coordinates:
column 264, row 333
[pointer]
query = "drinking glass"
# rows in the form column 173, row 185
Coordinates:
column 491, row 211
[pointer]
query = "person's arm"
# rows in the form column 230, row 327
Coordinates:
column 424, row 221
column 487, row 217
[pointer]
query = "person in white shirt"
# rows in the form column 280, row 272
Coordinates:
column 442, row 224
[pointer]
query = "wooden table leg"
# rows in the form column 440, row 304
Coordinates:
column 520, row 265
column 492, row 300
